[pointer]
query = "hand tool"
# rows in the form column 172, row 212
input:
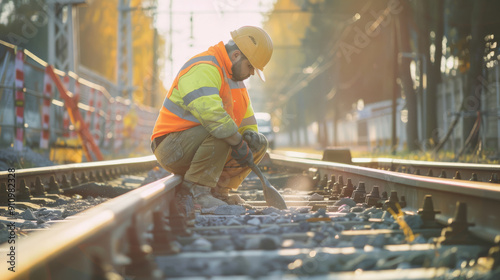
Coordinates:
column 271, row 195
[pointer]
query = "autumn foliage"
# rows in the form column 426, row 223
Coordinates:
column 98, row 26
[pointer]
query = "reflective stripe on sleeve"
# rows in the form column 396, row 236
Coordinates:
column 203, row 91
column 248, row 121
column 178, row 111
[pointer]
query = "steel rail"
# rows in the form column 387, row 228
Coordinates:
column 106, row 238
column 482, row 171
column 30, row 174
column 483, row 199
column 95, row 241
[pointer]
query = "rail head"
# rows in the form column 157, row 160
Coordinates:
column 40, row 171
column 103, row 225
column 478, row 189
column 100, row 171
column 481, row 197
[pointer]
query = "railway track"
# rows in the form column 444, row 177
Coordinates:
column 336, row 227
column 453, row 170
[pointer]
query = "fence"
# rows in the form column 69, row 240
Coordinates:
column 450, row 98
column 368, row 129
column 371, row 128
column 33, row 114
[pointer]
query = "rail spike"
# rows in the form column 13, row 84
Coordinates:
column 494, row 178
column 373, row 198
column 457, row 232
column 53, row 186
column 74, row 180
column 331, row 182
column 474, row 177
column 428, row 214
column 337, row 186
column 65, row 184
column 24, row 193
column 392, row 202
column 323, row 182
column 348, row 189
column 359, row 194
column 38, row 188
column 83, row 178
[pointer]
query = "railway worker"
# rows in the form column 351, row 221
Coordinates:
column 206, row 130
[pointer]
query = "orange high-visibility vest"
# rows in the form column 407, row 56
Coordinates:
column 234, row 95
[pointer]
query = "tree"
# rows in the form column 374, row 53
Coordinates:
column 24, row 24
column 98, row 44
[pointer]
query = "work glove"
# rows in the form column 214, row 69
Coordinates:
column 254, row 139
column 242, row 153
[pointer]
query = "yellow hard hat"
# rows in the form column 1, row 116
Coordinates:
column 255, row 44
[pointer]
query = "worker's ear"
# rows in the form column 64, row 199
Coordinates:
column 235, row 56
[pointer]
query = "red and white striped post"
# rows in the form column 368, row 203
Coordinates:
column 107, row 126
column 88, row 117
column 66, row 114
column 118, row 125
column 97, row 123
column 19, row 103
column 47, row 100
column 74, row 133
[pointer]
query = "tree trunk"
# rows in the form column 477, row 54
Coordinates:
column 404, row 21
column 434, row 68
column 472, row 102
column 395, row 91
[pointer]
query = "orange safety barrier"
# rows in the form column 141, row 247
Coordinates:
column 81, row 127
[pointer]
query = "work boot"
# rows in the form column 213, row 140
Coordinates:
column 184, row 202
column 223, row 194
column 202, row 196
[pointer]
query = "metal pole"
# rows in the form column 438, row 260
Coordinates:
column 51, row 58
column 119, row 54
column 75, row 39
column 394, row 101
column 421, row 106
column 462, row 96
column 151, row 100
column 170, row 35
column 154, row 83
column 130, row 58
column 70, row 57
column 445, row 111
column 452, row 97
column 497, row 86
column 482, row 113
column 124, row 54
column 424, row 97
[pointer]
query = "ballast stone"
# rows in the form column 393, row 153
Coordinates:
column 229, row 210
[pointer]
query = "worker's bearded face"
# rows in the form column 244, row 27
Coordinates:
column 242, row 69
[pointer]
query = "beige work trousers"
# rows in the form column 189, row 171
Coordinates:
column 203, row 159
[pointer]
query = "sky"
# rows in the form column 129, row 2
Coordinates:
column 212, row 22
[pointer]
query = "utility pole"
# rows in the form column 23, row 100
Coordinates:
column 170, row 37
column 395, row 91
column 62, row 34
column 154, row 80
column 124, row 54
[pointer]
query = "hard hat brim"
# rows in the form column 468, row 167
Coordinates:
column 261, row 75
